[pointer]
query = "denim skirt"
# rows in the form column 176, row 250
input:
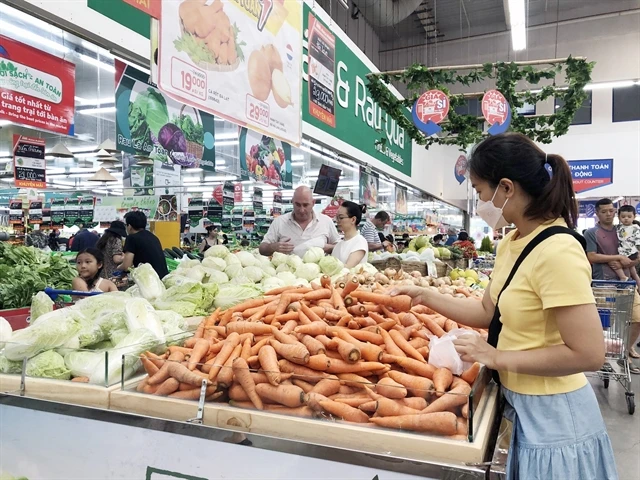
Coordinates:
column 560, row 436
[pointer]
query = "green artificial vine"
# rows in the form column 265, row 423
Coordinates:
column 465, row 130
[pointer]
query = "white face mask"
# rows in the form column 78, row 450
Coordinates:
column 491, row 214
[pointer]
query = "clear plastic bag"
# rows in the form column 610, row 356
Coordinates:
column 442, row 352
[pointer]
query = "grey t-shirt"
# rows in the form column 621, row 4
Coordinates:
column 604, row 242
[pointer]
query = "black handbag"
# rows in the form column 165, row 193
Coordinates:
column 496, row 325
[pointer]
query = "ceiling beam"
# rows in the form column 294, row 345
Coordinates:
column 505, row 6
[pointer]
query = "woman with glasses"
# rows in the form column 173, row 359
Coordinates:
column 352, row 249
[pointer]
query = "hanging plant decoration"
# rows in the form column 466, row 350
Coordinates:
column 465, row 130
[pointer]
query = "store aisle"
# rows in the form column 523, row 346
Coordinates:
column 624, row 429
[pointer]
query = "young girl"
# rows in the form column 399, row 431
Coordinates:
column 353, row 249
column 629, row 241
column 90, row 263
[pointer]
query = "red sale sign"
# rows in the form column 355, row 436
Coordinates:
column 432, row 106
column 495, row 107
column 36, row 89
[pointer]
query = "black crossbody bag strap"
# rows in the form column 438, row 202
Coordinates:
column 496, row 325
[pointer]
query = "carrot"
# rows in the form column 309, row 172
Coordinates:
column 400, row 341
column 319, row 362
column 149, row 367
column 297, row 353
column 416, row 367
column 457, row 396
column 370, row 352
column 225, row 377
column 369, row 406
column 418, row 342
column 409, row 319
column 417, row 386
column 314, row 328
column 80, row 379
column 167, row 387
column 248, row 327
column 311, row 315
column 365, row 322
column 200, row 330
column 344, row 367
column 256, row 348
column 398, row 303
column 424, row 351
column 367, row 336
column 176, row 348
column 317, row 295
column 443, row 423
column 337, row 300
column 431, row 324
column 465, row 410
column 283, row 337
column 297, row 411
column 386, row 407
column 157, row 360
column 417, row 403
column 354, row 380
column 344, row 320
column 314, row 346
column 422, row 309
column 349, row 287
column 348, row 352
column 261, row 377
column 194, row 393
column 299, row 371
column 183, row 374
column 243, row 376
column 462, row 427
column 279, row 290
column 450, row 325
column 459, row 382
column 344, row 411
column 288, row 395
column 163, row 373
column 245, row 352
column 391, row 347
column 250, row 311
column 199, row 351
column 290, row 325
column 247, row 304
column 305, row 386
column 351, row 400
column 327, row 386
column 269, row 364
column 470, row 374
column 285, row 300
column 387, row 325
column 389, row 388
column 227, row 349
column 285, row 317
column 442, row 379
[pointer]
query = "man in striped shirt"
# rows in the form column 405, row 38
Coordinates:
column 370, row 229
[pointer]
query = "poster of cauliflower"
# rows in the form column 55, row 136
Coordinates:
column 265, row 159
column 237, row 59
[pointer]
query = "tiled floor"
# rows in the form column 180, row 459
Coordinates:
column 624, row 429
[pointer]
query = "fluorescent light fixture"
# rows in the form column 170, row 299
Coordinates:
column 194, row 181
column 517, row 24
column 94, row 101
column 4, row 123
column 193, row 170
column 618, row 84
column 297, row 156
column 96, row 111
column 226, row 136
column 213, row 178
column 25, row 34
column 7, row 180
column 220, row 163
column 226, row 143
column 94, row 61
column 297, row 164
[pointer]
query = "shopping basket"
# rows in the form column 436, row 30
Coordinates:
column 614, row 300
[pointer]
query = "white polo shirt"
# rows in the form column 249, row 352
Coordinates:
column 320, row 231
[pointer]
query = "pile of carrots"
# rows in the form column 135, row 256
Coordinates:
column 339, row 351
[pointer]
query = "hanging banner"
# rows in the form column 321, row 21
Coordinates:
column 236, row 59
column 322, row 61
column 29, row 165
column 137, row 179
column 496, row 111
column 331, row 210
column 119, row 206
column 228, row 204
column 85, row 209
column 57, row 211
column 369, row 186
column 196, row 210
column 16, row 215
column 152, row 124
column 590, row 174
column 401, row 200
column 35, row 212
column 276, row 211
column 36, row 89
column 166, row 178
column 265, row 159
column 150, row 7
column 460, row 169
column 429, row 110
column 214, row 211
column 167, row 208
column 237, row 192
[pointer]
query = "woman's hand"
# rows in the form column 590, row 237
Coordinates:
column 417, row 294
column 473, row 348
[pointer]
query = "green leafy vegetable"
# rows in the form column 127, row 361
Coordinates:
column 230, row 295
column 195, row 48
column 10, row 366
column 40, row 305
column 146, row 278
column 151, row 105
column 48, row 364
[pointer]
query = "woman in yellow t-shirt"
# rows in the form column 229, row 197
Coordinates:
column 551, row 331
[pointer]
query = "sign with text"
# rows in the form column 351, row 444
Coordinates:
column 16, row 215
column 235, row 59
column 369, row 186
column 590, row 174
column 150, row 7
column 335, row 98
column 35, row 212
column 429, row 110
column 29, row 165
column 36, row 89
column 402, row 206
column 265, row 159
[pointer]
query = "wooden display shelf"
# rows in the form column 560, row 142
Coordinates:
column 62, row 391
column 374, row 440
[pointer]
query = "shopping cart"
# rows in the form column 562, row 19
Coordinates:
column 614, row 300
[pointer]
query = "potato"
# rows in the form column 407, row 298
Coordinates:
column 273, row 57
column 259, row 75
column 282, row 92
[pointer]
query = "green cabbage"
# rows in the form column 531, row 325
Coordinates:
column 246, row 259
column 287, row 277
column 175, row 278
column 308, row 271
column 218, row 277
column 116, row 336
column 271, row 283
column 140, row 314
column 233, row 270
column 330, row 265
column 70, row 345
column 146, row 278
column 40, row 304
column 230, row 295
column 254, row 274
column 197, row 273
column 9, row 366
column 232, row 260
column 294, row 262
column 268, row 270
column 219, row 251
column 284, row 267
column 5, row 331
column 313, row 255
column 279, row 259
column 186, row 263
column 81, row 363
column 48, row 364
column 52, row 330
column 215, row 263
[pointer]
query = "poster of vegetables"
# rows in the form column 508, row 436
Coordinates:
column 240, row 60
column 265, row 159
column 369, row 185
column 151, row 124
column 401, row 200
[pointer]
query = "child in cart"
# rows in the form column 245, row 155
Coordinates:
column 629, row 241
column 90, row 263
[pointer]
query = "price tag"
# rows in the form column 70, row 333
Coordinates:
column 188, row 79
column 257, row 111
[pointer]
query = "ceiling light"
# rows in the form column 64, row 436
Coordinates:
column 618, row 84
column 226, row 143
column 102, row 176
column 7, row 180
column 297, row 164
column 226, row 136
column 95, row 111
column 59, row 150
column 94, row 101
column 144, row 161
column 27, row 35
column 4, row 123
column 193, row 170
column 517, row 24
